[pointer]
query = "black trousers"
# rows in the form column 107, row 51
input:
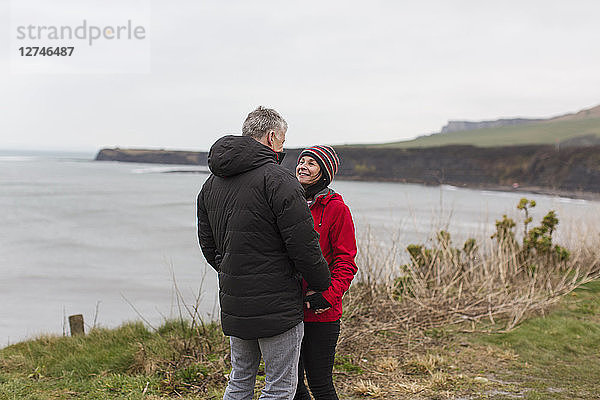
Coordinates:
column 316, row 360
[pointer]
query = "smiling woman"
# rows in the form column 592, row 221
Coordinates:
column 316, row 168
column 308, row 170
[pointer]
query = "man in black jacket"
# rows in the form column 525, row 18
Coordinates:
column 256, row 231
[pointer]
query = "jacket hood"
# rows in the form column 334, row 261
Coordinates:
column 322, row 199
column 232, row 155
column 325, row 196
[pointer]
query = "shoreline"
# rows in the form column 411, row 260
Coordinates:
column 572, row 172
column 579, row 195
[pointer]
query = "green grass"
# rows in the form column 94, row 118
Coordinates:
column 129, row 362
column 92, row 366
column 345, row 363
column 535, row 133
column 559, row 355
column 552, row 357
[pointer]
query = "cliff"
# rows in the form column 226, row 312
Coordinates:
column 562, row 169
column 153, row 156
column 534, row 167
column 457, row 126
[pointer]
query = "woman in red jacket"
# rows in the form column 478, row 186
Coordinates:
column 322, row 311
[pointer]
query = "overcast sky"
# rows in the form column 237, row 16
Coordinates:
column 338, row 71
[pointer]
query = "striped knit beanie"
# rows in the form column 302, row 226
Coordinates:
column 326, row 157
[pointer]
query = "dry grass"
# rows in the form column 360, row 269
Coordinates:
column 387, row 364
column 398, row 316
column 424, row 364
column 488, row 290
column 368, row 388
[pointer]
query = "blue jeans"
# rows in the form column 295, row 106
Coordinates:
column 281, row 354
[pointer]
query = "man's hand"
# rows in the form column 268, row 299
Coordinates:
column 316, row 301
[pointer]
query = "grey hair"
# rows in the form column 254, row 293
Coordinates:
column 262, row 120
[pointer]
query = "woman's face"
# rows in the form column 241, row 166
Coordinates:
column 308, row 170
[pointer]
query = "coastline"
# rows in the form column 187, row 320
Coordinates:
column 579, row 195
column 571, row 173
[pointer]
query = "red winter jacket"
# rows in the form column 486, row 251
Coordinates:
column 333, row 222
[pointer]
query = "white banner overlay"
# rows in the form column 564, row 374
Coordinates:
column 80, row 36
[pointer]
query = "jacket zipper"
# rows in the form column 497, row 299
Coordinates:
column 323, row 209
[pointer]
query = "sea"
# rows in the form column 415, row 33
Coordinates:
column 117, row 242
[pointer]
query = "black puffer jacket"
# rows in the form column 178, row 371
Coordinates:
column 255, row 229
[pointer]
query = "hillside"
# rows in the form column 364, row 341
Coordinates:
column 582, row 128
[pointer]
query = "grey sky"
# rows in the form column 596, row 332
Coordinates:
column 338, row 71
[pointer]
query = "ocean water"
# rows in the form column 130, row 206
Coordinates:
column 112, row 240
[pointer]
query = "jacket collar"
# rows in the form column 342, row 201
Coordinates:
column 232, row 155
column 279, row 156
column 322, row 196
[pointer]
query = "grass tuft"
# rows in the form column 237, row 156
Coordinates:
column 368, row 389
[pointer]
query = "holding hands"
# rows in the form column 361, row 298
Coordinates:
column 316, row 301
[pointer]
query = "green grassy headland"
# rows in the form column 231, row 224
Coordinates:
column 546, row 132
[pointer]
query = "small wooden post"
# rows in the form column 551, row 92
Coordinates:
column 76, row 324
